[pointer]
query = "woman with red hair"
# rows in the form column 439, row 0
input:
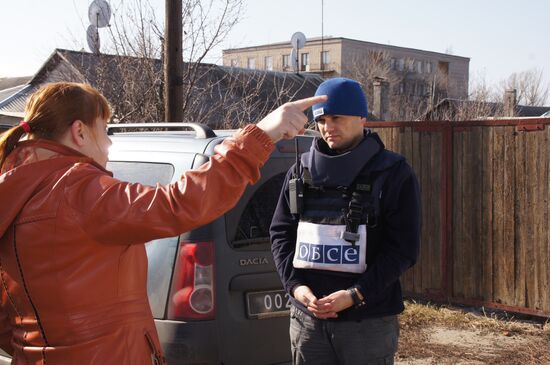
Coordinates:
column 73, row 265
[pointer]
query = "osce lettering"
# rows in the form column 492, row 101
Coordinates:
column 320, row 247
column 328, row 254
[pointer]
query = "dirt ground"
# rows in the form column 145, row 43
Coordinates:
column 465, row 336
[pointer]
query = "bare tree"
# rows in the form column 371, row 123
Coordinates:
column 204, row 29
column 250, row 94
column 530, row 87
column 231, row 97
column 368, row 69
column 410, row 92
column 482, row 102
column 221, row 97
column 134, row 30
column 134, row 79
column 417, row 96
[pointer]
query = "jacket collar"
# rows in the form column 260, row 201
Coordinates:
column 340, row 169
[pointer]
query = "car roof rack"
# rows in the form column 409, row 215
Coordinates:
column 201, row 130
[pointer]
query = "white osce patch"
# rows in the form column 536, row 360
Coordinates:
column 318, row 112
column 319, row 246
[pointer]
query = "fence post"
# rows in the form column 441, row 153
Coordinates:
column 447, row 210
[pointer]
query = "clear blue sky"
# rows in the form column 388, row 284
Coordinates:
column 500, row 36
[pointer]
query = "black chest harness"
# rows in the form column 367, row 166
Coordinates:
column 351, row 205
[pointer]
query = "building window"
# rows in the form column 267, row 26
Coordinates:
column 393, row 63
column 325, row 58
column 305, row 62
column 428, row 67
column 410, row 65
column 286, row 61
column 401, row 88
column 268, row 61
column 418, row 66
column 419, row 88
column 234, row 62
column 251, row 63
column 401, row 64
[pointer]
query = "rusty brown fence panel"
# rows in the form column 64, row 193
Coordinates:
column 485, row 199
column 423, row 149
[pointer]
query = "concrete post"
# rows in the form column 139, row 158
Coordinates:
column 510, row 102
column 381, row 100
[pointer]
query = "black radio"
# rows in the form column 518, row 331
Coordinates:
column 296, row 186
column 296, row 195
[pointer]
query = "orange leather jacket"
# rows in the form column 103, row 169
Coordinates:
column 73, row 265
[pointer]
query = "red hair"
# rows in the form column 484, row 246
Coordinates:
column 52, row 109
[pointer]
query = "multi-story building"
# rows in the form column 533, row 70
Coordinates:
column 409, row 71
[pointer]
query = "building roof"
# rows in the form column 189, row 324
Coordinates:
column 257, row 87
column 16, row 102
column 6, row 95
column 532, row 111
column 485, row 109
column 342, row 39
column 9, row 82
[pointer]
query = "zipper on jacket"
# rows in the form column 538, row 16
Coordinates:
column 158, row 359
column 10, row 298
column 38, row 321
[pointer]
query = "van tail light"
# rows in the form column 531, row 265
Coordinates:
column 192, row 292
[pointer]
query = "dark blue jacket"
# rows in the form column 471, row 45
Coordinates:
column 392, row 246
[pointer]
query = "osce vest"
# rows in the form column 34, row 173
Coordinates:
column 320, row 244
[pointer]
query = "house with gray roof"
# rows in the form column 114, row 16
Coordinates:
column 460, row 109
column 12, row 113
column 219, row 96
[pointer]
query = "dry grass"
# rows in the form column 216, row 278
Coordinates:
column 432, row 334
column 418, row 314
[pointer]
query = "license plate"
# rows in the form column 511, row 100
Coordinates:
column 267, row 304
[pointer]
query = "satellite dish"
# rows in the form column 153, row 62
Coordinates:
column 92, row 37
column 294, row 60
column 298, row 40
column 99, row 13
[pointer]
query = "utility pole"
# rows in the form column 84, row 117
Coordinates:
column 173, row 62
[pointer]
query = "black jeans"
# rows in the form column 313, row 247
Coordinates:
column 370, row 341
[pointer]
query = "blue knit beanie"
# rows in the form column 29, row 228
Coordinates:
column 345, row 97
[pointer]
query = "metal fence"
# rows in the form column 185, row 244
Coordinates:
column 485, row 198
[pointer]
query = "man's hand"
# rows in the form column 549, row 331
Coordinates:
column 336, row 302
column 304, row 295
column 289, row 119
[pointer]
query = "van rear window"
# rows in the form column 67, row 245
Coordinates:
column 145, row 173
column 253, row 228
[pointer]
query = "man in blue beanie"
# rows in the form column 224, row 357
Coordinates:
column 346, row 227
